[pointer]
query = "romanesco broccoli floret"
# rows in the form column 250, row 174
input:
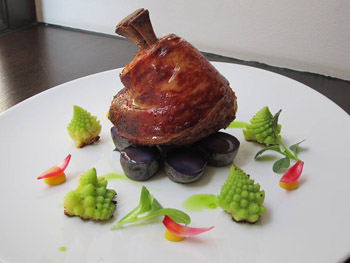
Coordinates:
column 84, row 128
column 240, row 197
column 91, row 200
column 260, row 128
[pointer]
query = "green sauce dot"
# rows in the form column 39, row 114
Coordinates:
column 111, row 176
column 62, row 249
column 200, row 202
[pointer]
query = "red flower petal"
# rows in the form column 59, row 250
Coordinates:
column 63, row 165
column 293, row 173
column 56, row 170
column 181, row 230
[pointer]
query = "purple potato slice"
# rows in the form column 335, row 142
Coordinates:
column 120, row 143
column 139, row 163
column 219, row 149
column 184, row 165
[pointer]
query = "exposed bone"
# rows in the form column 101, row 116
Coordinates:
column 126, row 30
column 138, row 28
column 143, row 25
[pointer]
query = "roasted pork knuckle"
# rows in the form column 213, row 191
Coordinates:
column 172, row 95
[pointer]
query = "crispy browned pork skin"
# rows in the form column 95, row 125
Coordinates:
column 172, row 94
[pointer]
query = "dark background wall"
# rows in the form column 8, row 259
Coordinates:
column 15, row 14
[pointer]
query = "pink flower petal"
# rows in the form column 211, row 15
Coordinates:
column 181, row 230
column 293, row 173
column 56, row 170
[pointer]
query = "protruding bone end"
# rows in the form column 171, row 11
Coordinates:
column 138, row 28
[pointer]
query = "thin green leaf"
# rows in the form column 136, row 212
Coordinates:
column 177, row 215
column 145, row 205
column 275, row 123
column 156, row 205
column 238, row 125
column 130, row 217
column 146, row 200
column 295, row 148
column 149, row 207
column 275, row 148
column 282, row 163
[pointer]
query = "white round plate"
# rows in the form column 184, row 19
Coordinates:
column 310, row 224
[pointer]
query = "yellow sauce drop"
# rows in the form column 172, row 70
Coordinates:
column 171, row 237
column 56, row 180
column 290, row 186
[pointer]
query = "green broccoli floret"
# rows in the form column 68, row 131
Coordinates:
column 260, row 128
column 84, row 128
column 90, row 200
column 240, row 197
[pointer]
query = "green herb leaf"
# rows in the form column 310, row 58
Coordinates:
column 149, row 207
column 146, row 200
column 295, row 148
column 177, row 215
column 275, row 126
column 282, row 163
column 275, row 148
column 156, row 205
